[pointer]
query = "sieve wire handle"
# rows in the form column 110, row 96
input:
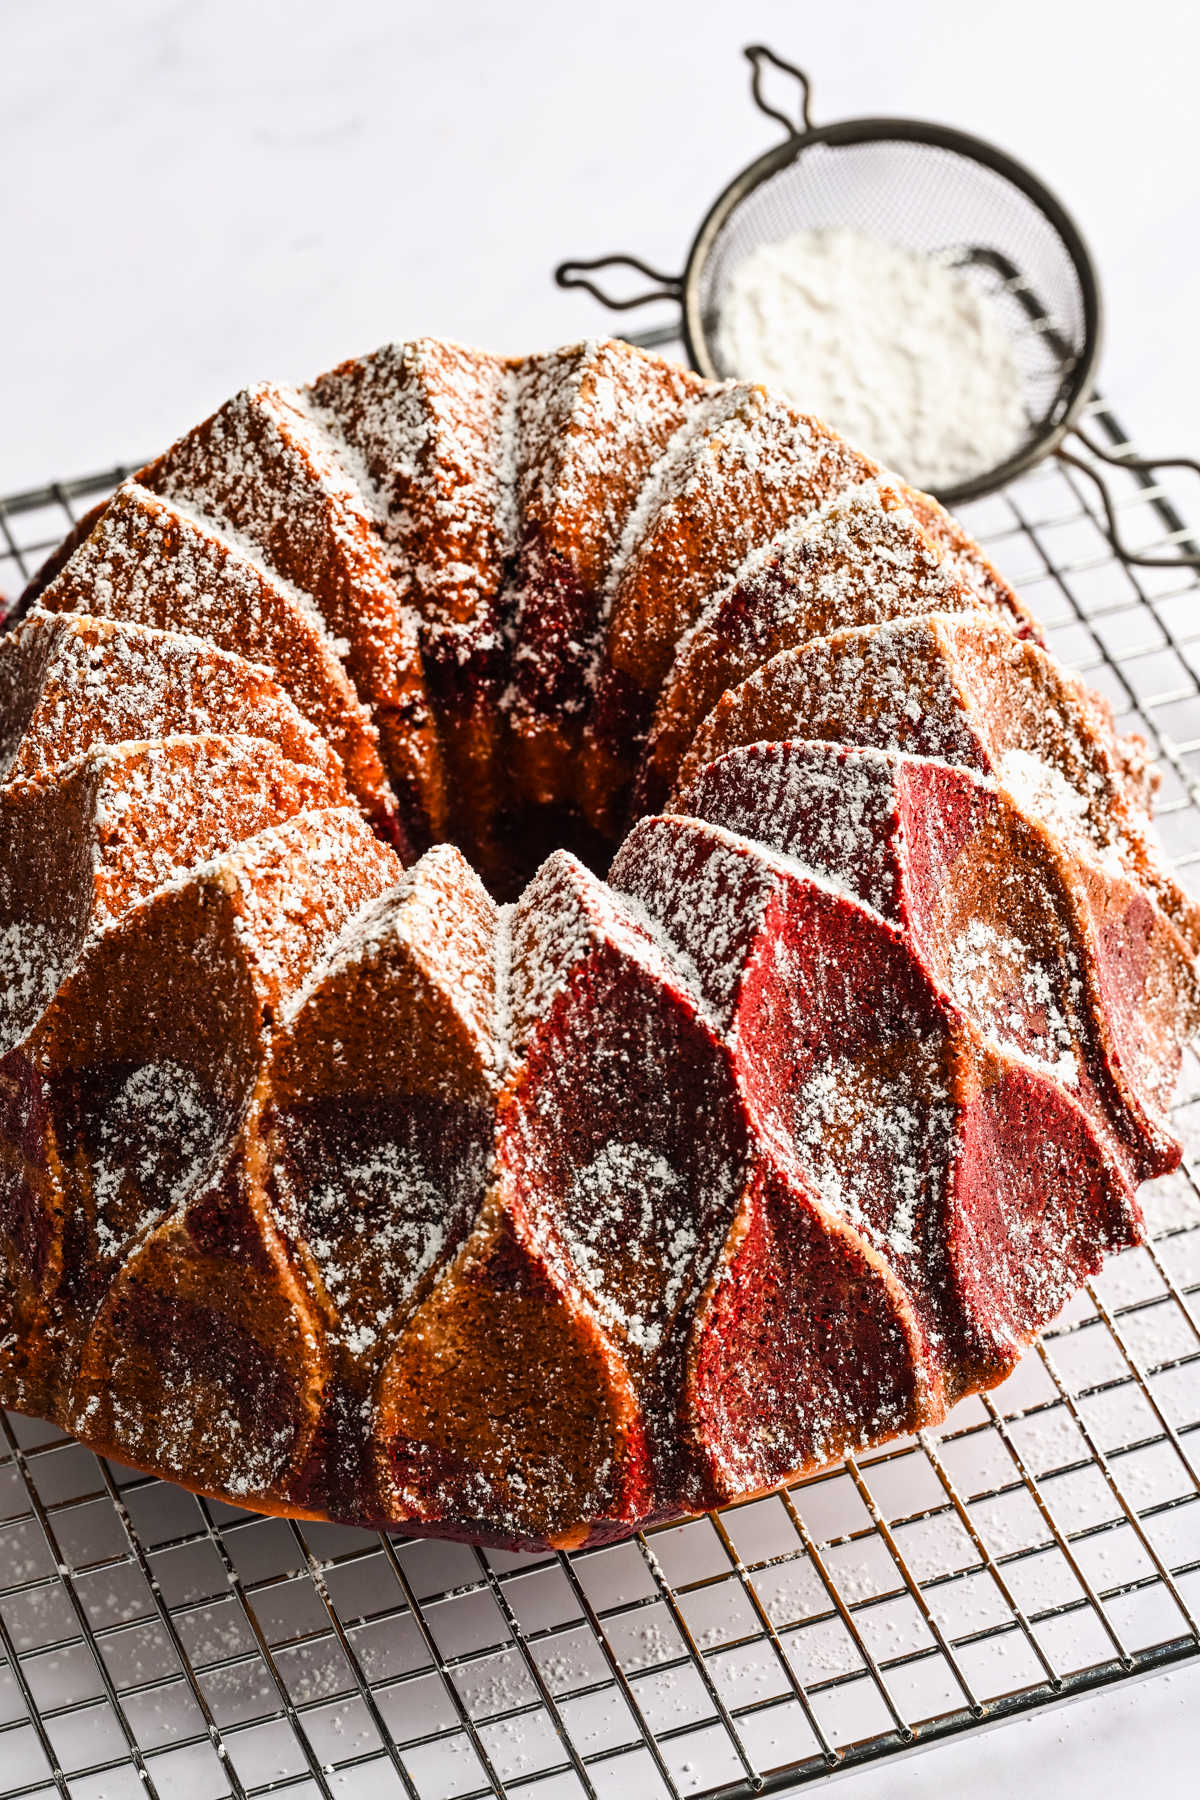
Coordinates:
column 576, row 275
column 1182, row 558
column 758, row 54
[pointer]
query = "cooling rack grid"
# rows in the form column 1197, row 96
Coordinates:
column 1043, row 1543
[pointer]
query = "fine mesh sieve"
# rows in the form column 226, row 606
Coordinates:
column 927, row 188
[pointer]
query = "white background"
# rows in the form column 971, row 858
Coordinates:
column 196, row 195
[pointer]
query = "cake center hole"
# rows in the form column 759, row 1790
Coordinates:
column 522, row 839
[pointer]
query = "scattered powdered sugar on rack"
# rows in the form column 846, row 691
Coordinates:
column 898, row 350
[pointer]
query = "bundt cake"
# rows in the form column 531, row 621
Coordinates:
column 366, row 1151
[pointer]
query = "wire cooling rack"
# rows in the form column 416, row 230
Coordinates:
column 1043, row 1543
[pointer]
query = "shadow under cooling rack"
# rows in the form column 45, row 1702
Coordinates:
column 1044, row 1542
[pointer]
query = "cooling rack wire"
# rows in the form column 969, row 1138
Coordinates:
column 1041, row 1544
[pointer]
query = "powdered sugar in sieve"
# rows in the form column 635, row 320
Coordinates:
column 895, row 348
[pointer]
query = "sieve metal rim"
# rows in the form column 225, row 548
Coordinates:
column 841, row 133
column 1076, row 385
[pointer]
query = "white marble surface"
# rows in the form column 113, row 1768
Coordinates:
column 1126, row 1744
column 194, row 195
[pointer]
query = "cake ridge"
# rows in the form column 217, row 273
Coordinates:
column 189, row 571
column 919, row 804
column 137, row 682
column 859, row 684
column 859, row 558
column 263, row 465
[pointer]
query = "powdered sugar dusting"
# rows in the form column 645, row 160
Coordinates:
column 32, row 966
column 994, row 979
column 1044, row 789
column 159, row 1137
column 396, row 1212
column 154, row 563
column 88, row 681
column 621, row 1194
column 816, row 804
column 853, row 1119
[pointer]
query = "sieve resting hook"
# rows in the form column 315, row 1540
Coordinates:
column 1184, row 557
column 576, row 275
column 758, row 54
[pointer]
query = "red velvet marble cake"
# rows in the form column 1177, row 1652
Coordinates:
column 366, row 1151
